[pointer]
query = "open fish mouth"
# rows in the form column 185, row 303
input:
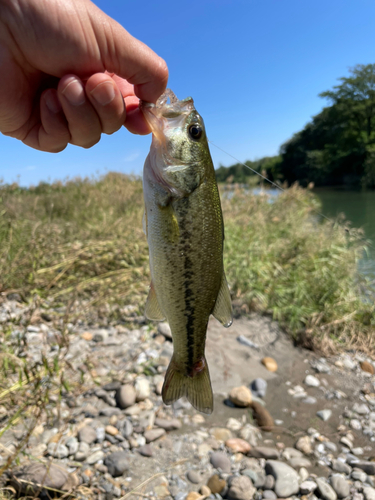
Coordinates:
column 166, row 115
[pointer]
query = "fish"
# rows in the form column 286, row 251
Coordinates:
column 184, row 226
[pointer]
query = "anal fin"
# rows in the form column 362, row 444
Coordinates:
column 223, row 306
column 152, row 309
column 197, row 388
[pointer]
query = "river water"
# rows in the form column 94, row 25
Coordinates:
column 359, row 209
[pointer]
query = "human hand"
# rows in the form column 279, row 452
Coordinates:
column 70, row 73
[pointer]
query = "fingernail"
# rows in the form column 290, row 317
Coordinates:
column 74, row 92
column 104, row 93
column 52, row 102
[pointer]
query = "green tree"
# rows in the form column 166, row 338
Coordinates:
column 338, row 145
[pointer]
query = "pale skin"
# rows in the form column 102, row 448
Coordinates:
column 70, row 73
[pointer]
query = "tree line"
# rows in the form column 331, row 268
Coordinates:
column 337, row 147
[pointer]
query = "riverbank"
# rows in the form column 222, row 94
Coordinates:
column 83, row 239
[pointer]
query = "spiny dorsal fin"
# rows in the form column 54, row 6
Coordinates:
column 223, row 306
column 152, row 309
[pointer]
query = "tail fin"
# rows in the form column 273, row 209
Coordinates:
column 197, row 388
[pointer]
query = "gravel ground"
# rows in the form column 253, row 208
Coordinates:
column 286, row 424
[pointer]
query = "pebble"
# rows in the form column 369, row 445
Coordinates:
column 117, row 463
column 262, row 417
column 240, row 488
column 361, row 409
column 304, row 444
column 264, row 452
column 142, row 389
column 369, row 493
column 125, row 396
column 216, row 484
column 286, row 478
column 194, row 476
column 87, row 434
column 154, row 434
column 307, row 487
column 269, row 482
column 340, row 485
column 238, row 445
column 349, row 364
column 270, row 364
column 205, row 490
column 355, row 424
column 312, row 381
column 259, row 387
column 57, row 450
column 168, row 424
column 240, row 396
column 165, row 329
column 145, row 450
column 111, row 430
column 220, row 460
column 367, row 367
column 324, row 414
column 339, row 466
column 221, row 433
column 310, row 400
column 325, row 490
column 269, row 495
column 95, row 457
column 51, row 475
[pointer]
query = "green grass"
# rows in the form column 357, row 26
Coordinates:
column 84, row 238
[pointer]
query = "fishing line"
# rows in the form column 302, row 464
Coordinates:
column 277, row 186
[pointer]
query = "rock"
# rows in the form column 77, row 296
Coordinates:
column 219, row 460
column 312, row 381
column 264, row 452
column 339, row 466
column 146, row 450
column 57, row 450
column 240, row 488
column 349, row 364
column 240, row 396
column 270, row 364
column 153, row 434
column 168, row 424
column 216, row 484
column 95, row 457
column 355, row 424
column 325, row 490
column 369, row 493
column 368, row 467
column 233, row 424
column 111, row 430
column 286, row 478
column 193, row 495
column 28, row 478
column 194, row 476
column 117, row 463
column 269, row 495
column 251, row 434
column 165, row 329
column 205, row 491
column 83, row 451
column 87, row 434
column 238, row 445
column 298, row 462
column 361, row 409
column 100, row 335
column 142, row 389
column 367, row 367
column 252, row 475
column 269, row 482
column 324, row 414
column 359, row 475
column 340, row 485
column 262, row 417
column 125, row 396
column 307, row 487
column 310, row 400
column 304, row 444
column 221, row 433
column 259, row 387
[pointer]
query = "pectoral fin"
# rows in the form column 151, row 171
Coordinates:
column 152, row 309
column 223, row 306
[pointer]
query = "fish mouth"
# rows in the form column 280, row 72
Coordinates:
column 163, row 115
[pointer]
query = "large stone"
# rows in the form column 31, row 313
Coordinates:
column 240, row 488
column 340, row 485
column 286, row 478
column 325, row 490
column 219, row 460
column 87, row 435
column 117, row 463
column 30, row 477
column 240, row 396
column 125, row 396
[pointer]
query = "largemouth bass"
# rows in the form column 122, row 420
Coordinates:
column 185, row 233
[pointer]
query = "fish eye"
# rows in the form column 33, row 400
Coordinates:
column 195, row 131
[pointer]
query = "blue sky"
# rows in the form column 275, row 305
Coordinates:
column 254, row 68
